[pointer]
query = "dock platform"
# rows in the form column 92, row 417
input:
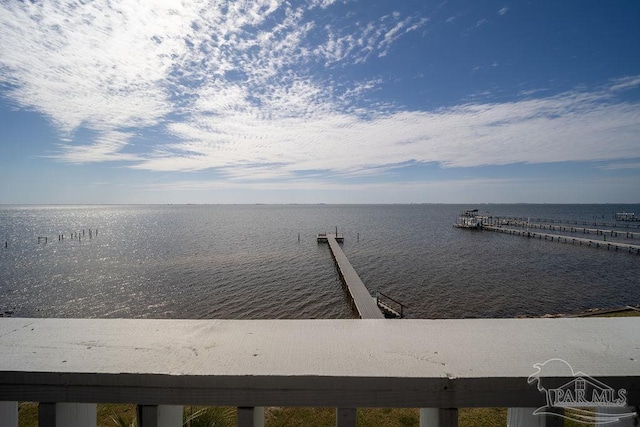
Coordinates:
column 324, row 237
column 364, row 303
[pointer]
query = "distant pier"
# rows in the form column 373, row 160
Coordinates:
column 584, row 230
column 364, row 303
column 574, row 222
column 604, row 244
column 470, row 219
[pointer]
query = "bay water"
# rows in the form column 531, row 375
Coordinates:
column 263, row 261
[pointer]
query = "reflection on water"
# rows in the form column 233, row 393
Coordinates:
column 246, row 262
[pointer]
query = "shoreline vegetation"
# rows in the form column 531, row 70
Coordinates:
column 124, row 415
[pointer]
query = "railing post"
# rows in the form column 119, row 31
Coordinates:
column 622, row 422
column 346, row 417
column 448, row 417
column 249, row 416
column 523, row 417
column 428, row 417
column 67, row 414
column 8, row 414
column 46, row 414
column 258, row 416
column 159, row 415
column 147, row 415
column 438, row 417
column 76, row 414
column 554, row 421
column 170, row 415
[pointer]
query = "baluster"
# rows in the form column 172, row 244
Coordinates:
column 8, row 414
column 438, row 417
column 249, row 416
column 159, row 416
column 346, row 417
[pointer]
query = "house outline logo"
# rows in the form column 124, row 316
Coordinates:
column 579, row 396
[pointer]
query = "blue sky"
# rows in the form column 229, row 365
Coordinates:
column 319, row 101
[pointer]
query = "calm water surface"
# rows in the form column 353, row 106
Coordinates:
column 246, row 262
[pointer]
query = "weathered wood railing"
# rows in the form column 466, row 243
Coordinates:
column 390, row 304
column 70, row 364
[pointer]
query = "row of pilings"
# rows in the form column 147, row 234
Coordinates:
column 74, row 235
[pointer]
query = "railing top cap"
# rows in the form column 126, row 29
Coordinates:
column 477, row 348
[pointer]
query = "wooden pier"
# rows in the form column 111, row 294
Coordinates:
column 568, row 239
column 584, row 230
column 364, row 303
column 324, row 237
column 574, row 222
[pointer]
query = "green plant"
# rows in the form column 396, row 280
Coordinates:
column 121, row 422
column 192, row 417
column 209, row 417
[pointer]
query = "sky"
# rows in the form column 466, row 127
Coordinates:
column 319, row 101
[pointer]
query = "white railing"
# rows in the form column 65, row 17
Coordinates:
column 68, row 365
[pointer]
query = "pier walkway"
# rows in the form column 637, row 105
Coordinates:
column 561, row 221
column 568, row 239
column 584, row 230
column 362, row 299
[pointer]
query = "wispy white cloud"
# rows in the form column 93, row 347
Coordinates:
column 503, row 11
column 573, row 126
column 621, row 165
column 321, row 3
column 93, row 64
column 479, row 24
column 230, row 87
column 110, row 66
column 357, row 44
column 402, row 27
column 106, row 148
column 625, row 83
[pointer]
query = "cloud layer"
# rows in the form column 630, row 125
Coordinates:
column 568, row 127
column 249, row 89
